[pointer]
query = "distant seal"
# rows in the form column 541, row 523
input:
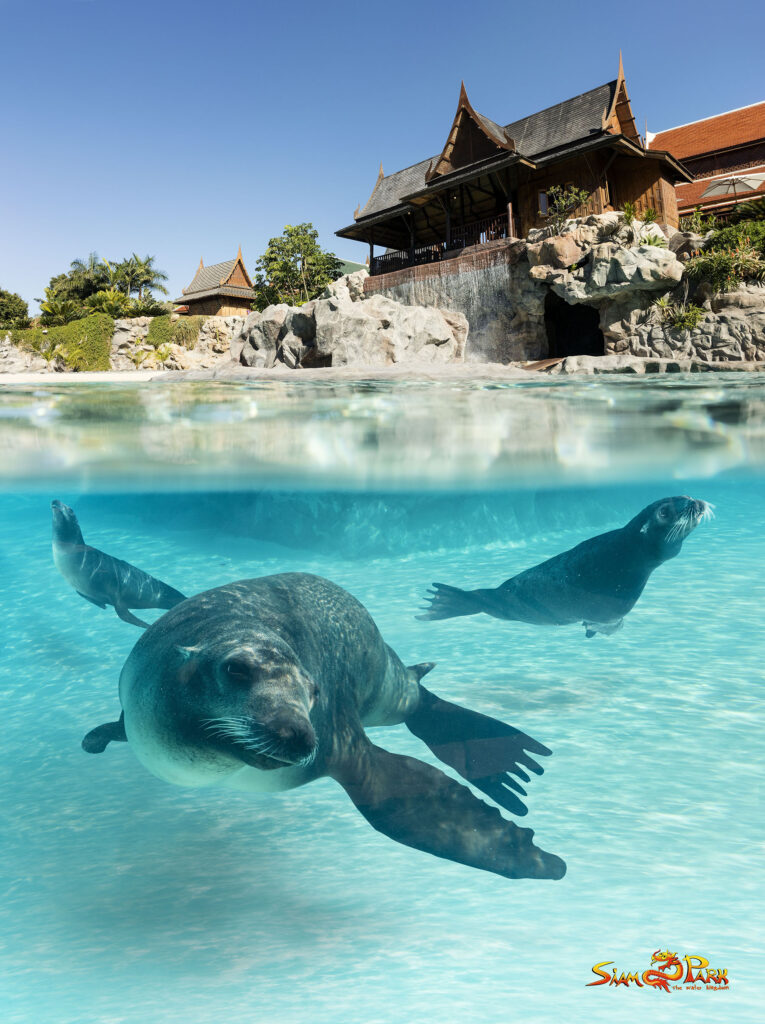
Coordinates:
column 267, row 684
column 101, row 579
column 596, row 583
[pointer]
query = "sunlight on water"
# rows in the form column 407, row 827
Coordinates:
column 127, row 899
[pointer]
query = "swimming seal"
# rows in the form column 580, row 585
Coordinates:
column 267, row 684
column 101, row 579
column 596, row 583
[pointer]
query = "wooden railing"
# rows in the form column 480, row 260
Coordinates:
column 479, row 232
column 401, row 258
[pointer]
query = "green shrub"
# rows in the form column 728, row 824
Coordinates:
column 752, row 211
column 562, row 203
column 163, row 353
column 751, row 231
column 159, row 332
column 679, row 316
column 649, row 216
column 698, row 223
column 110, row 301
column 82, row 345
column 184, row 331
column 724, row 269
column 14, row 312
column 656, row 240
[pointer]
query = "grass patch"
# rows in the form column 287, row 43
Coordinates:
column 184, row 331
column 82, row 345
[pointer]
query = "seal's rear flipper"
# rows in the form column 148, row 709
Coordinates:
column 98, row 604
column 449, row 602
column 98, row 739
column 483, row 750
column 419, row 806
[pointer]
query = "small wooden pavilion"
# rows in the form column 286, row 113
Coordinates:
column 222, row 289
column 491, row 182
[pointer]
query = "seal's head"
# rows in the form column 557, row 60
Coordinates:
column 666, row 523
column 66, row 529
column 201, row 712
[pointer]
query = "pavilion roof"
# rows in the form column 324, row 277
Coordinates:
column 214, row 280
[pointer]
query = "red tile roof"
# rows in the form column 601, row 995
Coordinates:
column 723, row 131
column 689, row 194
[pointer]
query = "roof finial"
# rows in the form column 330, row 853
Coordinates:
column 201, row 264
column 239, row 253
column 463, row 92
column 621, row 65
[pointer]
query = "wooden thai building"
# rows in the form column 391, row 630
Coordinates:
column 222, row 289
column 491, row 181
column 713, row 149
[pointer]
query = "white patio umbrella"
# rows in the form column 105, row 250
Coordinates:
column 734, row 186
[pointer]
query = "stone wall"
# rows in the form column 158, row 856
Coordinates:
column 491, row 287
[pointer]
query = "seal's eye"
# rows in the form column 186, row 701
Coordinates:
column 238, row 670
column 664, row 512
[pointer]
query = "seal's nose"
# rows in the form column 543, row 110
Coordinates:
column 297, row 736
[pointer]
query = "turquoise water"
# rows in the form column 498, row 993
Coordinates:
column 129, row 900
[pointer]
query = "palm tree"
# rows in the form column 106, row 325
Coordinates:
column 149, row 277
column 85, row 276
column 129, row 275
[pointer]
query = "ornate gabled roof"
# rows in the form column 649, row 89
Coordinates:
column 553, row 129
column 216, row 280
column 472, row 137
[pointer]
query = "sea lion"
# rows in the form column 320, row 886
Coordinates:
column 101, row 579
column 267, row 684
column 596, row 583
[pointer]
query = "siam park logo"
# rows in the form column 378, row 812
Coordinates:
column 672, row 973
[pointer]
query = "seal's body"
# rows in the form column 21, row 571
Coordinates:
column 596, row 583
column 267, row 684
column 101, row 579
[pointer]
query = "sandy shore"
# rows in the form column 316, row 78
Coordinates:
column 582, row 366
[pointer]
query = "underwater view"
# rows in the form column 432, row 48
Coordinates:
column 255, row 810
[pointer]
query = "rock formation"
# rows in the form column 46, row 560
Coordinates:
column 343, row 328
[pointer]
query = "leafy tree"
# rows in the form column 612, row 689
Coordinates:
column 14, row 312
column 294, row 268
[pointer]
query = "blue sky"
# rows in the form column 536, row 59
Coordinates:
column 186, row 129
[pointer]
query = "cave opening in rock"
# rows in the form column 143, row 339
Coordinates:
column 572, row 330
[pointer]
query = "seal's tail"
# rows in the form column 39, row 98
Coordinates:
column 448, row 602
column 483, row 750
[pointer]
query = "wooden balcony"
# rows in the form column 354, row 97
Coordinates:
column 479, row 232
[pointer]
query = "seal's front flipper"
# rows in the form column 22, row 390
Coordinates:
column 449, row 602
column 127, row 616
column 606, row 628
column 92, row 600
column 419, row 806
column 99, row 738
column 483, row 750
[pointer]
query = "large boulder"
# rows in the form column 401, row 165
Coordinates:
column 611, row 269
column 344, row 328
